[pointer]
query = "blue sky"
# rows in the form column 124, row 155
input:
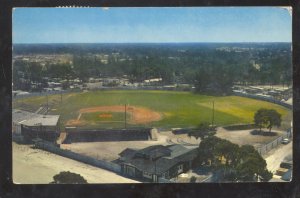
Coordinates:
column 123, row 25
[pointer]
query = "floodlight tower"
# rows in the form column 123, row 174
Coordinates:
column 125, row 116
column 47, row 103
column 213, row 114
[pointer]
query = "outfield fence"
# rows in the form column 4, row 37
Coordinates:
column 268, row 99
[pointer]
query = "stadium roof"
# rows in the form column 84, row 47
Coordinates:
column 34, row 119
column 167, row 157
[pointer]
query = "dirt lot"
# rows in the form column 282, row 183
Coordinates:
column 242, row 137
column 34, row 166
column 109, row 151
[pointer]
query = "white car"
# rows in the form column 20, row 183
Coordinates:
column 285, row 141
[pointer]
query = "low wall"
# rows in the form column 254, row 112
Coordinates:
column 103, row 135
column 75, row 156
column 163, row 180
column 18, row 139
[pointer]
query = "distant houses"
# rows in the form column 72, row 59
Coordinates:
column 153, row 81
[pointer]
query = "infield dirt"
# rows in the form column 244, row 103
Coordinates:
column 139, row 115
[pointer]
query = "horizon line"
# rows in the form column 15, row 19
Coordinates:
column 212, row 42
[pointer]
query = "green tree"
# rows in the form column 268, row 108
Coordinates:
column 267, row 118
column 253, row 168
column 67, row 177
column 206, row 151
column 236, row 163
column 193, row 179
column 228, row 151
column 274, row 119
column 260, row 118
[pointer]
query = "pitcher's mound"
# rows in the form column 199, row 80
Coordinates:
column 105, row 115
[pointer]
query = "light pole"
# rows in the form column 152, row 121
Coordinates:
column 60, row 96
column 125, row 117
column 47, row 103
column 155, row 176
column 213, row 114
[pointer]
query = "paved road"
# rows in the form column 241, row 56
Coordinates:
column 276, row 156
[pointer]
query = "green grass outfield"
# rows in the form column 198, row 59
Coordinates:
column 179, row 109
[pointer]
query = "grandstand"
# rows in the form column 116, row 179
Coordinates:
column 27, row 107
column 33, row 125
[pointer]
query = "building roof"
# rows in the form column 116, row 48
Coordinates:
column 154, row 152
column 168, row 157
column 176, row 150
column 33, row 119
column 128, row 153
column 21, row 116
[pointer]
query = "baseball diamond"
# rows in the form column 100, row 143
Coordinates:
column 149, row 108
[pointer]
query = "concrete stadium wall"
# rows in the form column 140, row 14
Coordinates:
column 46, row 133
column 75, row 156
column 103, row 135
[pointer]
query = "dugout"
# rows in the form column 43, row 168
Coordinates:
column 74, row 134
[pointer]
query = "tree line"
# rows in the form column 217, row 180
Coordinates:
column 206, row 67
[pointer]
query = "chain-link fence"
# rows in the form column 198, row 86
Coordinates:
column 273, row 144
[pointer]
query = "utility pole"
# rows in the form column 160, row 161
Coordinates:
column 125, row 117
column 155, row 176
column 47, row 103
column 213, row 114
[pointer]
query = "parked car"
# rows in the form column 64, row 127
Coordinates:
column 285, row 141
column 287, row 165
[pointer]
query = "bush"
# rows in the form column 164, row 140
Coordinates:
column 67, row 177
column 193, row 179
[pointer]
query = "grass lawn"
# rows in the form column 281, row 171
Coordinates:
column 179, row 109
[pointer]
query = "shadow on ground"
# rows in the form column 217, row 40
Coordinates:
column 263, row 133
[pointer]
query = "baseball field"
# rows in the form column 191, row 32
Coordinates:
column 166, row 109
